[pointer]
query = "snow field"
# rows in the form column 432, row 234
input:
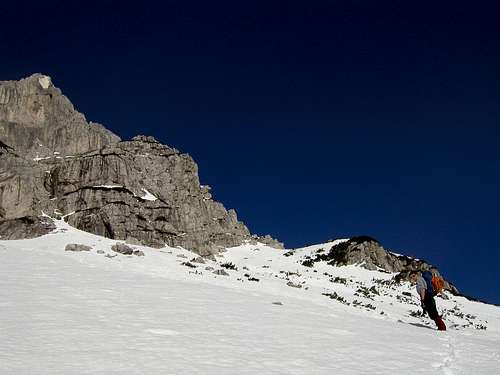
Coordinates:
column 85, row 313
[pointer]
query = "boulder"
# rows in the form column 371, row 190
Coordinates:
column 121, row 248
column 77, row 247
column 294, row 285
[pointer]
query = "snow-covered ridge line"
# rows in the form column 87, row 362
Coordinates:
column 325, row 245
column 258, row 260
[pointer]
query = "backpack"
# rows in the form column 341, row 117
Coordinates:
column 434, row 283
column 437, row 284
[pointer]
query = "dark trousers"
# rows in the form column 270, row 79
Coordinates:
column 430, row 307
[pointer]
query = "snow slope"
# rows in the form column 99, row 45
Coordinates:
column 99, row 312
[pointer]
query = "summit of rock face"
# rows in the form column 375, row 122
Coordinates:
column 38, row 120
column 53, row 161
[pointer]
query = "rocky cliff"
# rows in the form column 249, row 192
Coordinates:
column 53, row 162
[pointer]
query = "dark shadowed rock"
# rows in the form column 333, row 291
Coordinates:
column 25, row 227
column 294, row 285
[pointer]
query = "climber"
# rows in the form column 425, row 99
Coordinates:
column 426, row 294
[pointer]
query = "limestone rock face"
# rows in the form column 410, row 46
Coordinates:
column 38, row 120
column 139, row 191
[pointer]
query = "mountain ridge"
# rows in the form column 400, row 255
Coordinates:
column 138, row 190
column 59, row 163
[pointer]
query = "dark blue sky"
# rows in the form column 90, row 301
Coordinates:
column 314, row 120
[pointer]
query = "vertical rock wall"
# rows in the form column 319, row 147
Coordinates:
column 54, row 161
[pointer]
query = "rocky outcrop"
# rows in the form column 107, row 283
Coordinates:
column 140, row 191
column 269, row 241
column 368, row 253
column 25, row 227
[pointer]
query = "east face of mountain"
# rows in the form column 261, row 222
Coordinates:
column 53, row 162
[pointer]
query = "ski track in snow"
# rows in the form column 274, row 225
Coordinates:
column 83, row 313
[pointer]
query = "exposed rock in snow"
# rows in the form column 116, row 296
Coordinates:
column 368, row 253
column 122, row 249
column 293, row 285
column 77, row 247
column 221, row 272
column 268, row 240
column 200, row 260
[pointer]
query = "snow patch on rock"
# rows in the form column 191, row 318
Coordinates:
column 44, row 81
column 148, row 196
column 38, row 158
